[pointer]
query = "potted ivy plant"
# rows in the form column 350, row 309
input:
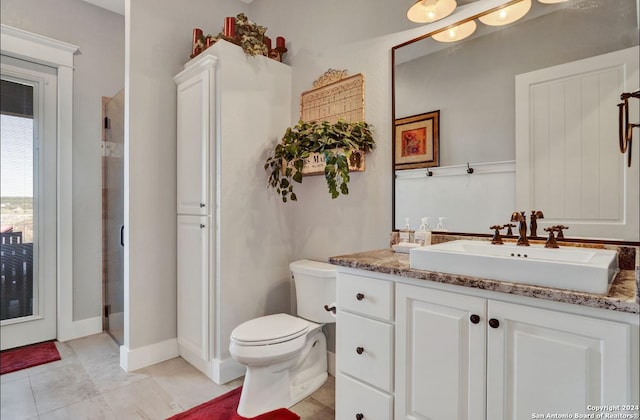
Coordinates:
column 339, row 144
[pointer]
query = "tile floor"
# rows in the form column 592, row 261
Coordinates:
column 87, row 383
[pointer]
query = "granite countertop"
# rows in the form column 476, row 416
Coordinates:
column 623, row 293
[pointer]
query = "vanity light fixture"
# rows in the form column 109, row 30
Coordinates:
column 507, row 15
column 456, row 33
column 425, row 11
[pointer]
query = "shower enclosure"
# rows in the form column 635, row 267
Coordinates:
column 113, row 216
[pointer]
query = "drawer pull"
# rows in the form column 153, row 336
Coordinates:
column 359, row 416
column 359, row 296
column 494, row 323
column 359, row 350
column 474, row 319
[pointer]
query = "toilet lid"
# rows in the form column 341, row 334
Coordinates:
column 270, row 328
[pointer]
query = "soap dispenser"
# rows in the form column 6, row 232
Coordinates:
column 405, row 234
column 440, row 227
column 423, row 235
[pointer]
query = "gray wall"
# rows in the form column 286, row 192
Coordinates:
column 99, row 71
column 159, row 43
column 351, row 35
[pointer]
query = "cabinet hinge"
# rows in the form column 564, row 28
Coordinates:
column 107, row 310
column 107, row 123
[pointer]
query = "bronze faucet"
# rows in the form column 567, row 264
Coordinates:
column 522, row 227
column 533, row 224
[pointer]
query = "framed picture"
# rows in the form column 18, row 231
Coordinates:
column 417, row 141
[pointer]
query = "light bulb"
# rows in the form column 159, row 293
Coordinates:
column 456, row 33
column 431, row 13
column 507, row 15
column 425, row 11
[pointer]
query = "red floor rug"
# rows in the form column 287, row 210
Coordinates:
column 224, row 408
column 28, row 356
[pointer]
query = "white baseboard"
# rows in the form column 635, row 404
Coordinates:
column 219, row 371
column 331, row 363
column 223, row 371
column 131, row 360
column 81, row 328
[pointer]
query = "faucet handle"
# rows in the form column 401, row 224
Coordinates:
column 559, row 229
column 509, row 226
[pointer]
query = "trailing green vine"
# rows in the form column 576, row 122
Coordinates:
column 340, row 143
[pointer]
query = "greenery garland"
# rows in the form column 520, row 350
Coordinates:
column 249, row 36
column 339, row 143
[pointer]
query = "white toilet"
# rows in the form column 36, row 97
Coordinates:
column 285, row 355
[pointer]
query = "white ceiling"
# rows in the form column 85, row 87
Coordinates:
column 117, row 6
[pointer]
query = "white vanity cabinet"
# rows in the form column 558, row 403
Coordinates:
column 459, row 357
column 364, row 345
column 464, row 353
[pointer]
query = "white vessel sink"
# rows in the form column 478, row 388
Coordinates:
column 580, row 269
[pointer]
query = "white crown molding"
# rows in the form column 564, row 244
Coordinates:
column 22, row 44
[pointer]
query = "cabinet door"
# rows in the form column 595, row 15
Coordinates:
column 440, row 355
column 193, row 289
column 195, row 120
column 542, row 361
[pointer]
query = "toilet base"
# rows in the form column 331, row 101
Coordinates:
column 267, row 388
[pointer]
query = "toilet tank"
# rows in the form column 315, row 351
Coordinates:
column 315, row 287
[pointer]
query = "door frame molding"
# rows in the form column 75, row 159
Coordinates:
column 32, row 47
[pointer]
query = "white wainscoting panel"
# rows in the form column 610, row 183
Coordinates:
column 484, row 198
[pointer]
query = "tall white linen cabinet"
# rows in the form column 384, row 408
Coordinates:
column 233, row 249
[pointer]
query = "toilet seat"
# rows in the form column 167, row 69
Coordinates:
column 270, row 329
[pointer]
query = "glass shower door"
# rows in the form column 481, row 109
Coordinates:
column 113, row 216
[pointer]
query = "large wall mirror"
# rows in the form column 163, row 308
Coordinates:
column 530, row 107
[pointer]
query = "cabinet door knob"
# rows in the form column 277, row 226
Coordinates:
column 359, row 416
column 359, row 350
column 474, row 319
column 359, row 296
column 202, row 226
column 201, row 205
column 494, row 323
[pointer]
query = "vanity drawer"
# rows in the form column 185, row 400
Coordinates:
column 365, row 349
column 365, row 295
column 358, row 398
